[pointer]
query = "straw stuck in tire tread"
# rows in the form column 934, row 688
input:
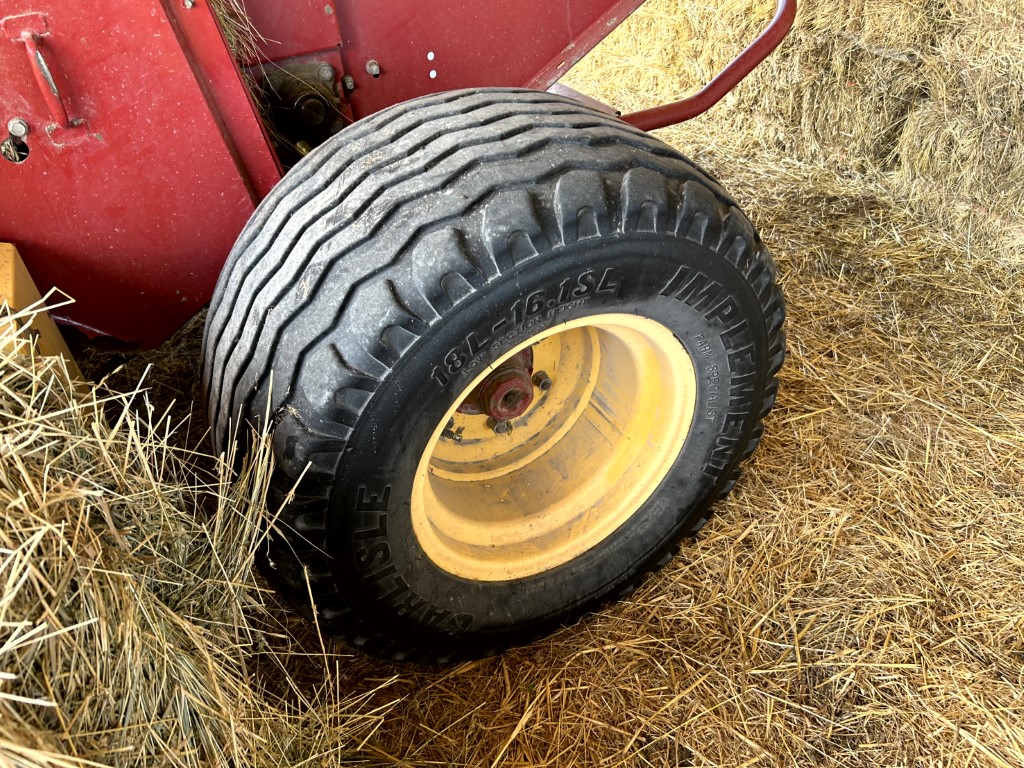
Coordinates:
column 456, row 259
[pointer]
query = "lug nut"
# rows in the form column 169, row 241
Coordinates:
column 373, row 68
column 499, row 427
column 451, row 433
column 542, row 381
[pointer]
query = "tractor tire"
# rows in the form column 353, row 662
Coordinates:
column 425, row 250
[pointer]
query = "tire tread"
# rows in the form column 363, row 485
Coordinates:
column 311, row 261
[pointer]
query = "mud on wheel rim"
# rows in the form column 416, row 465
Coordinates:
column 584, row 456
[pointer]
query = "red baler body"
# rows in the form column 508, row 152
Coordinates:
column 146, row 153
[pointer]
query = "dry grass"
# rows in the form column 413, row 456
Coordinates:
column 132, row 631
column 242, row 37
column 858, row 601
column 924, row 96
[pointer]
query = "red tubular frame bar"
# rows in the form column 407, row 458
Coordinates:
column 725, row 81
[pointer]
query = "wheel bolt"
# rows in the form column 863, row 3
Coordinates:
column 451, row 433
column 542, row 381
column 499, row 427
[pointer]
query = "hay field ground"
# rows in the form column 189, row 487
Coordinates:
column 858, row 600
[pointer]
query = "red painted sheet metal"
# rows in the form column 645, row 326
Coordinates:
column 134, row 208
column 292, row 28
column 436, row 45
column 146, row 152
column 232, row 106
column 579, row 46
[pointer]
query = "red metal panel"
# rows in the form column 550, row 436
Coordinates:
column 425, row 46
column 147, row 154
column 232, row 105
column 291, row 28
column 133, row 209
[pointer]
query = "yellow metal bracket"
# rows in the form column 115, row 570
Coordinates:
column 25, row 307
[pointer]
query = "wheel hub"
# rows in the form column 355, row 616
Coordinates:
column 507, row 391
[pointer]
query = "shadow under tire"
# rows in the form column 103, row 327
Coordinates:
column 377, row 289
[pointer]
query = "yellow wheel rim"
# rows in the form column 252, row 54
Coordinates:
column 574, row 467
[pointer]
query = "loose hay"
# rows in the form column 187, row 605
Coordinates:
column 242, row 37
column 131, row 629
column 925, row 96
column 858, row 601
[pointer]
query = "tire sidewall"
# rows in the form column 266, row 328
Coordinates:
column 377, row 559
